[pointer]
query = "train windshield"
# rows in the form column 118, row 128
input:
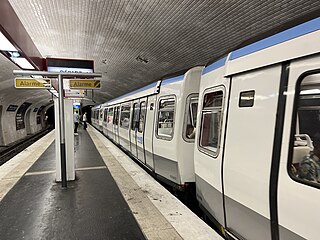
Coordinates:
column 305, row 165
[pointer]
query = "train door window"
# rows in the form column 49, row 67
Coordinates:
column 110, row 115
column 116, row 115
column 125, row 116
column 211, row 122
column 101, row 114
column 165, row 125
column 304, row 166
column 190, row 118
column 105, row 115
column 142, row 117
column 135, row 116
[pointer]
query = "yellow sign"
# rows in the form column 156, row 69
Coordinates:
column 32, row 83
column 85, row 84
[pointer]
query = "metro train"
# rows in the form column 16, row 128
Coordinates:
column 244, row 131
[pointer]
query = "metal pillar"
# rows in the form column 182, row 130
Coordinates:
column 62, row 135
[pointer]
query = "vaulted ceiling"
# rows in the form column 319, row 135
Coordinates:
column 135, row 42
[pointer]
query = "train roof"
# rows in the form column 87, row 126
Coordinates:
column 295, row 42
column 141, row 92
column 148, row 90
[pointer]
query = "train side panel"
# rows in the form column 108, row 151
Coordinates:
column 186, row 117
column 208, row 164
column 248, row 151
column 165, row 137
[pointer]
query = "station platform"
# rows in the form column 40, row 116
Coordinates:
column 112, row 197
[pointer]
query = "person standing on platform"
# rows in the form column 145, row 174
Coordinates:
column 76, row 122
column 84, row 119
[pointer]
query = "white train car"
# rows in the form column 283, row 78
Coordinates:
column 258, row 138
column 155, row 124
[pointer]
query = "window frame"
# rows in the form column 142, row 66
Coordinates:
column 240, row 104
column 294, row 119
column 117, row 116
column 192, row 97
column 201, row 108
column 127, row 104
column 110, row 109
column 133, row 122
column 145, row 116
column 105, row 116
column 167, row 97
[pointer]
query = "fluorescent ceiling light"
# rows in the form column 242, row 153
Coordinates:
column 23, row 63
column 36, row 76
column 5, row 44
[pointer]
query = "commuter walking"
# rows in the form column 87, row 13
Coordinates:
column 76, row 122
column 84, row 119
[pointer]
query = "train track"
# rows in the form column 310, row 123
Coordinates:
column 10, row 151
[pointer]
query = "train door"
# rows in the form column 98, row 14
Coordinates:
column 116, row 124
column 134, row 127
column 248, row 152
column 299, row 172
column 104, row 123
column 124, row 125
column 141, row 129
column 165, row 160
column 149, row 131
column 110, row 118
column 213, row 103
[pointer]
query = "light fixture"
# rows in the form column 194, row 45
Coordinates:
column 142, row 59
column 7, row 48
column 5, row 44
column 23, row 63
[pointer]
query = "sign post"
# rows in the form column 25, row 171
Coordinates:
column 46, row 83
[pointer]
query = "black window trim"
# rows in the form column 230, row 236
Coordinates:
column 247, row 91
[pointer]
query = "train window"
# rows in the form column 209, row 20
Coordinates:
column 305, row 163
column 125, row 116
column 116, row 115
column 142, row 117
column 105, row 115
column 246, row 99
column 166, row 118
column 101, row 114
column 110, row 116
column 190, row 118
column 135, row 116
column 211, row 122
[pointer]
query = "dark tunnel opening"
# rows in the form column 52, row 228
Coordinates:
column 87, row 109
column 50, row 115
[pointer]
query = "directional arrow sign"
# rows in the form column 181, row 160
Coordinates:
column 32, row 83
column 85, row 84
